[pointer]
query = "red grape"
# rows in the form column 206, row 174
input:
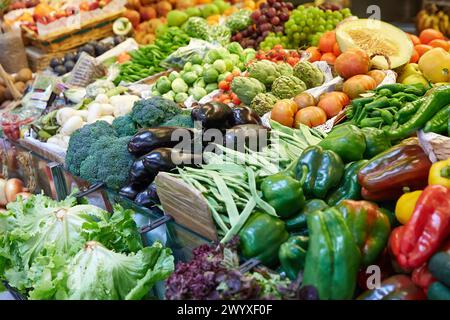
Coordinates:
column 275, row 21
column 255, row 15
column 263, row 5
column 262, row 19
column 271, row 2
column 271, row 12
column 284, row 16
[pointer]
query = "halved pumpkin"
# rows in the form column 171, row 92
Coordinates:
column 388, row 46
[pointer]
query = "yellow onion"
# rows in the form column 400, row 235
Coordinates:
column 12, row 188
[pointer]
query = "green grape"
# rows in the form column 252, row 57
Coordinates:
column 320, row 28
column 310, row 22
column 302, row 23
column 306, row 30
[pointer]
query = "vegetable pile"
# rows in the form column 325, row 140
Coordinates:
column 62, row 250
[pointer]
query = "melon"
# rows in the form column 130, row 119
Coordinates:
column 388, row 46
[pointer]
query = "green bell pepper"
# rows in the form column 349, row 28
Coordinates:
column 349, row 188
column 376, row 142
column 332, row 260
column 369, row 226
column 284, row 194
column 325, row 170
column 292, row 255
column 347, row 141
column 261, row 237
column 298, row 222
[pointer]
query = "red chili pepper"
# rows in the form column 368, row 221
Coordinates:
column 414, row 243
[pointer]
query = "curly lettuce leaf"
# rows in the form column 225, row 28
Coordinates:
column 98, row 273
column 118, row 232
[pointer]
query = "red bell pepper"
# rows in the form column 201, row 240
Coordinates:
column 422, row 277
column 385, row 176
column 399, row 287
column 414, row 243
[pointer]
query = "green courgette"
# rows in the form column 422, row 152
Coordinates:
column 438, row 291
column 439, row 266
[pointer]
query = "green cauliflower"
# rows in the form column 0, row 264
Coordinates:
column 239, row 20
column 81, row 141
column 285, row 69
column 108, row 161
column 247, row 88
column 264, row 71
column 154, row 111
column 124, row 126
column 196, row 27
column 287, row 87
column 309, row 74
column 263, row 103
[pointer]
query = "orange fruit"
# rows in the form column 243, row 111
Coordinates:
column 415, row 39
column 422, row 48
column 428, row 35
column 315, row 54
column 329, row 57
column 415, row 57
column 438, row 43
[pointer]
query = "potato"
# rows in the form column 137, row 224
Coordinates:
column 20, row 86
column 24, row 75
column 2, row 93
column 8, row 95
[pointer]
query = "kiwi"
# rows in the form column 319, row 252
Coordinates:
column 20, row 86
column 24, row 75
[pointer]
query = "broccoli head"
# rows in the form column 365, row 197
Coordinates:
column 80, row 143
column 108, row 161
column 124, row 126
column 153, row 112
column 180, row 120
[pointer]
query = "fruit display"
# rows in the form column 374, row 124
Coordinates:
column 270, row 17
column 307, row 24
column 296, row 153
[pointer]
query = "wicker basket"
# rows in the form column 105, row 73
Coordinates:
column 70, row 39
column 39, row 60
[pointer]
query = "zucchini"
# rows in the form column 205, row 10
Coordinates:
column 438, row 291
column 439, row 267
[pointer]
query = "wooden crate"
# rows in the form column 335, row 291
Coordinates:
column 69, row 39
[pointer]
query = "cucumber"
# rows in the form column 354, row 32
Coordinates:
column 439, row 267
column 438, row 291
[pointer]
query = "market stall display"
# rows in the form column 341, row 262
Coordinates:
column 307, row 144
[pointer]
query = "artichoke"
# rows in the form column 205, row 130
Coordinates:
column 263, row 103
column 247, row 88
column 309, row 74
column 264, row 71
column 285, row 69
column 287, row 87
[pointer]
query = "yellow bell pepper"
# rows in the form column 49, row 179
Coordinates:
column 439, row 173
column 405, row 206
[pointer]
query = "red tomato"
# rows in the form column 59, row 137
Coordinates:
column 315, row 54
column 310, row 116
column 223, row 85
column 236, row 73
column 229, row 78
column 327, row 41
column 331, row 104
column 283, row 112
column 329, row 58
column 236, row 101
